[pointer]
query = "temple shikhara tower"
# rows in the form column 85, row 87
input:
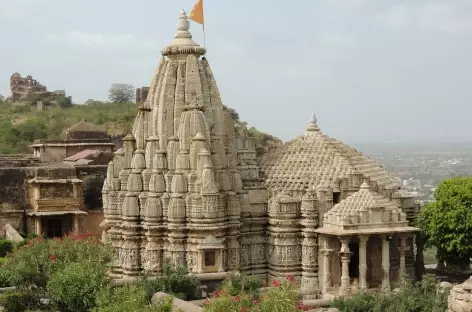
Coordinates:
column 186, row 188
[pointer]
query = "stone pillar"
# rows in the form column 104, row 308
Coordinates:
column 76, row 224
column 39, row 230
column 327, row 270
column 345, row 257
column 220, row 262
column 402, row 249
column 385, row 264
column 363, row 261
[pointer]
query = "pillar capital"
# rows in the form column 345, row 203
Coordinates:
column 363, row 238
column 327, row 252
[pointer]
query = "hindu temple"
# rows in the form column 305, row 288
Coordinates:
column 187, row 188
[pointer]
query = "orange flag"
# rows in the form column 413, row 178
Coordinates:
column 196, row 14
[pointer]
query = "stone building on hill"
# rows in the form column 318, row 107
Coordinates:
column 27, row 89
column 56, row 190
column 187, row 188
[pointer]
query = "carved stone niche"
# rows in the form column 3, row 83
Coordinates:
column 210, row 255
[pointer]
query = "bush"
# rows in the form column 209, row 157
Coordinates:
column 75, row 287
column 129, row 298
column 411, row 297
column 33, row 263
column 281, row 296
column 6, row 247
column 18, row 301
column 238, row 284
column 174, row 281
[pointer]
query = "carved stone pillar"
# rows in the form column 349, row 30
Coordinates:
column 221, row 262
column 363, row 261
column 39, row 230
column 403, row 249
column 327, row 270
column 76, row 224
column 385, row 264
column 345, row 257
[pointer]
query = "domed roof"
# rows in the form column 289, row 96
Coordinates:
column 315, row 159
column 365, row 212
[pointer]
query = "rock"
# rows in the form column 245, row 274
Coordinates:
column 445, row 285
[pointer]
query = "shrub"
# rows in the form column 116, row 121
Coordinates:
column 238, row 284
column 129, row 298
column 33, row 263
column 75, row 287
column 175, row 281
column 411, row 297
column 16, row 301
column 281, row 297
column 6, row 247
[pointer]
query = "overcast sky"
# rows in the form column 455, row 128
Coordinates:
column 371, row 70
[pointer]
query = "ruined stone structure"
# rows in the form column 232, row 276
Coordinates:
column 460, row 297
column 185, row 187
column 57, row 189
column 24, row 89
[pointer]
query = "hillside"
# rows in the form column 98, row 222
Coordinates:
column 21, row 123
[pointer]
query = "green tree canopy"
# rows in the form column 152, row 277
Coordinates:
column 447, row 222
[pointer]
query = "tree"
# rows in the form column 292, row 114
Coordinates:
column 447, row 222
column 121, row 93
column 2, row 98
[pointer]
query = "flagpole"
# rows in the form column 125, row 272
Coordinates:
column 204, row 37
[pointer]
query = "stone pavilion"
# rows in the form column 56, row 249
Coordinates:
column 187, row 188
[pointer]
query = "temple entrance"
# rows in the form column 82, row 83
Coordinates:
column 56, row 226
column 354, row 260
column 53, row 227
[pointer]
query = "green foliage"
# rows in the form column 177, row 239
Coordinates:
column 34, row 263
column 6, row 247
column 447, row 222
column 129, row 298
column 175, row 281
column 21, row 123
column 19, row 301
column 238, row 284
column 281, row 296
column 75, row 287
column 411, row 297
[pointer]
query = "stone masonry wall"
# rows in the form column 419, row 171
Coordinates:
column 460, row 297
column 13, row 196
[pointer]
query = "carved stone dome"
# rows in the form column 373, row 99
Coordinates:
column 315, row 159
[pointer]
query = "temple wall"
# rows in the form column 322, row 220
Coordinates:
column 91, row 222
column 53, row 153
column 14, row 218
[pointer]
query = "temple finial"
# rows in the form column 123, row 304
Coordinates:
column 183, row 25
column 312, row 126
column 182, row 36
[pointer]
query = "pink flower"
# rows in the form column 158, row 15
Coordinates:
column 236, row 298
column 52, row 258
column 290, row 278
column 244, row 309
column 215, row 294
column 276, row 283
column 303, row 307
column 255, row 302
